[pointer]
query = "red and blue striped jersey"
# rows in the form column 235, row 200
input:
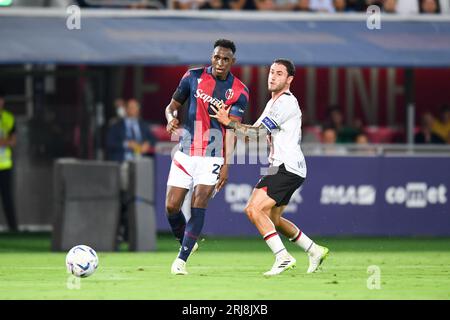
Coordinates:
column 204, row 136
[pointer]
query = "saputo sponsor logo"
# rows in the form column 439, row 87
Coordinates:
column 363, row 195
column 208, row 99
column 416, row 195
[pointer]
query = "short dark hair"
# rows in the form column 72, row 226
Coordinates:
column 224, row 43
column 327, row 127
column 333, row 108
column 290, row 67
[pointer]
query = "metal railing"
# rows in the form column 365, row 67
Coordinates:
column 350, row 149
column 217, row 14
column 148, row 4
column 375, row 149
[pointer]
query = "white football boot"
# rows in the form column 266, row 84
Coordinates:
column 316, row 255
column 179, row 267
column 282, row 263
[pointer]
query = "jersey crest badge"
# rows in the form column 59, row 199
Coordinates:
column 229, row 94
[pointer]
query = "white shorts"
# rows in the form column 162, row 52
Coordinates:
column 188, row 171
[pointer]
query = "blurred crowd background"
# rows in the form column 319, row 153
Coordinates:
column 328, row 6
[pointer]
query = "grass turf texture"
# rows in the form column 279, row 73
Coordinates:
column 230, row 268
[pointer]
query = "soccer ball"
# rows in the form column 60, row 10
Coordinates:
column 81, row 261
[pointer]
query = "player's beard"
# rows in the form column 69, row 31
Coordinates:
column 277, row 88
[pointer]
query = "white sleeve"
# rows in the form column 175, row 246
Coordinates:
column 280, row 112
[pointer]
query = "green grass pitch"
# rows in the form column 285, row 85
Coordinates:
column 230, row 268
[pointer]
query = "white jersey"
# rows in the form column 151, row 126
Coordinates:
column 283, row 119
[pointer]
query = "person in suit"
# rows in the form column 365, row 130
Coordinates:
column 426, row 134
column 129, row 138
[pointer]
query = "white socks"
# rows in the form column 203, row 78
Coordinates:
column 274, row 242
column 303, row 241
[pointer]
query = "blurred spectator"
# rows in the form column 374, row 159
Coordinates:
column 340, row 5
column 407, row 7
column 7, row 142
column 212, row 5
column 329, row 135
column 441, row 126
column 358, row 125
column 345, row 134
column 303, row 5
column 356, row 5
column 390, row 6
column 378, row 3
column 241, row 5
column 426, row 135
column 329, row 138
column 429, row 7
column 321, row 5
column 136, row 4
column 119, row 111
column 237, row 4
column 129, row 138
column 146, row 4
column 285, row 5
column 361, row 138
column 188, row 4
column 42, row 3
column 363, row 146
column 265, row 5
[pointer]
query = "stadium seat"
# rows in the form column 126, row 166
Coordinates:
column 382, row 134
column 311, row 134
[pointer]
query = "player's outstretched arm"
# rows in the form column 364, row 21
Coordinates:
column 247, row 130
column 221, row 114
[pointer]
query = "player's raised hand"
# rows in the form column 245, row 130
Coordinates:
column 221, row 113
column 172, row 126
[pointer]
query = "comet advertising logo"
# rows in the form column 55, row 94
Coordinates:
column 416, row 195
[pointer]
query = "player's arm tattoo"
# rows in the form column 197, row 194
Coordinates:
column 247, row 130
column 222, row 115
column 230, row 144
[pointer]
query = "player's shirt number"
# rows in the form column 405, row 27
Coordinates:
column 216, row 168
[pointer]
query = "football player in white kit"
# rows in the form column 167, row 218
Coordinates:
column 281, row 120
